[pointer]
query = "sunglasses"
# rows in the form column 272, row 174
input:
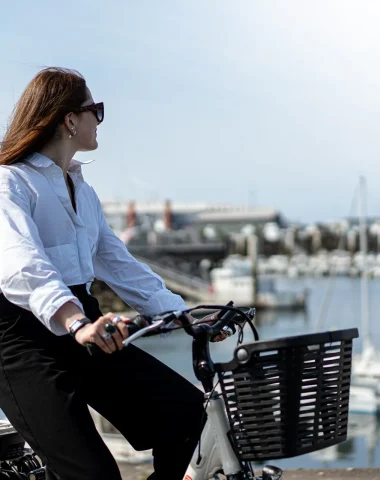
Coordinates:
column 96, row 108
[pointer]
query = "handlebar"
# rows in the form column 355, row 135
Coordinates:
column 144, row 325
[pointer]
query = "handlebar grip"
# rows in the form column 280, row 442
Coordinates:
column 224, row 319
column 138, row 322
column 133, row 328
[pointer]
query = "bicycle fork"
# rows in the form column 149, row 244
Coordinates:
column 215, row 453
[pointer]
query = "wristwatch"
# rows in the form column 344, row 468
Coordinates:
column 77, row 325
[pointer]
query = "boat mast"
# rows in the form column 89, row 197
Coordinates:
column 364, row 274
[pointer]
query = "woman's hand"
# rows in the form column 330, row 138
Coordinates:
column 97, row 333
column 210, row 319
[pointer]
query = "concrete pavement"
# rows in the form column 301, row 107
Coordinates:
column 141, row 471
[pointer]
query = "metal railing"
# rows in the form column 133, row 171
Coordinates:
column 183, row 283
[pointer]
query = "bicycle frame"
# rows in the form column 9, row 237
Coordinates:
column 216, row 452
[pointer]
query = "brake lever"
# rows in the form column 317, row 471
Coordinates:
column 155, row 325
column 142, row 332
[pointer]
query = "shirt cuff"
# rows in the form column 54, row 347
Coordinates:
column 44, row 306
column 56, row 327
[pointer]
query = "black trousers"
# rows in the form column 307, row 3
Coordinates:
column 48, row 381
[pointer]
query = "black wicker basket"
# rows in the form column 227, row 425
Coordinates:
column 288, row 396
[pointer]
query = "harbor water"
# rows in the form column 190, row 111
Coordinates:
column 341, row 300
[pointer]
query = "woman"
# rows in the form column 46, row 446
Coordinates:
column 54, row 241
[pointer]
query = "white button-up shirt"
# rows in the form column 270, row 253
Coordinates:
column 45, row 246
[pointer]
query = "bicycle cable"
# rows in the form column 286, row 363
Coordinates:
column 203, row 417
column 241, row 333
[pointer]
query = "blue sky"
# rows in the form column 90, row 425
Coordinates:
column 265, row 102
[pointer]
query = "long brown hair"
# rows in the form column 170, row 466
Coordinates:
column 51, row 94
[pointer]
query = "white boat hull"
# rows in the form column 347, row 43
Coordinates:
column 364, row 399
column 227, row 285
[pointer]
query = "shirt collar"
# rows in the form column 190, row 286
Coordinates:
column 41, row 161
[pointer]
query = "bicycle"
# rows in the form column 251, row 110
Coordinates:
column 16, row 460
column 278, row 398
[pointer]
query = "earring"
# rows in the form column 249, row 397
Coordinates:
column 70, row 135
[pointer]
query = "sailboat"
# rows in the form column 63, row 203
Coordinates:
column 365, row 385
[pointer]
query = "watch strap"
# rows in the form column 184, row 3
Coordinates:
column 77, row 325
